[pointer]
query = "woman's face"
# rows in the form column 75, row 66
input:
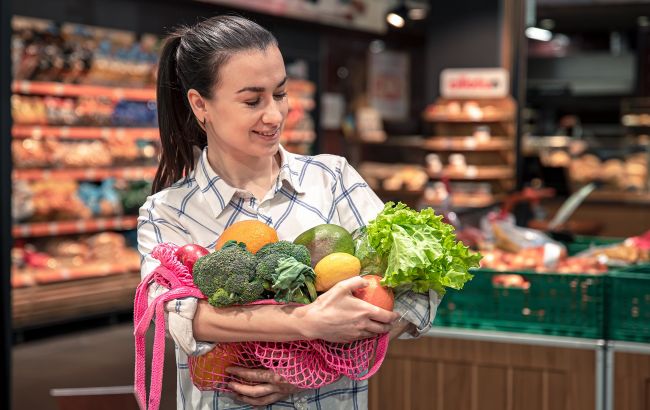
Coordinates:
column 249, row 105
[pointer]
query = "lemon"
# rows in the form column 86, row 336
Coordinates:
column 334, row 268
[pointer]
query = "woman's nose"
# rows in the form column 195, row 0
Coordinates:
column 272, row 114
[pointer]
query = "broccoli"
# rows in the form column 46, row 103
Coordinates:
column 292, row 281
column 227, row 276
column 299, row 252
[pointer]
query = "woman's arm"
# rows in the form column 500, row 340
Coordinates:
column 335, row 316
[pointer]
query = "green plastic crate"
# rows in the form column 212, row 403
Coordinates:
column 582, row 243
column 554, row 304
column 628, row 295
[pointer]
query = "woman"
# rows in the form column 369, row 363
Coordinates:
column 222, row 104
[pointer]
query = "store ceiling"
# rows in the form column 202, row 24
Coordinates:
column 593, row 17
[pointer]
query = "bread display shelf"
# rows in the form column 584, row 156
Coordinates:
column 85, row 174
column 21, row 278
column 75, row 90
column 468, row 203
column 455, row 143
column 476, row 173
column 30, row 230
column 466, row 144
column 107, row 133
column 73, row 299
column 468, row 119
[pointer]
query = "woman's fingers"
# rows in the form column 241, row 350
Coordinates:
column 262, row 401
column 259, row 390
column 255, row 375
column 378, row 328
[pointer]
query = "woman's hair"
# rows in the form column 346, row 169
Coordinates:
column 191, row 58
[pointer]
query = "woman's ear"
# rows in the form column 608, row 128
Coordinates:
column 198, row 105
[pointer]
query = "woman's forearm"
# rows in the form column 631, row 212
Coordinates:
column 273, row 323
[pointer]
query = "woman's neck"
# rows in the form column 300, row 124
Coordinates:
column 253, row 174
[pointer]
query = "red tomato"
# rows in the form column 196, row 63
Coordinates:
column 189, row 254
column 376, row 294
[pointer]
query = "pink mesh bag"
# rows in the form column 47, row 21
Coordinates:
column 308, row 364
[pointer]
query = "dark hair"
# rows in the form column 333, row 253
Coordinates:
column 191, row 58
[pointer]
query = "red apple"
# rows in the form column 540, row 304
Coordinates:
column 376, row 294
column 189, row 254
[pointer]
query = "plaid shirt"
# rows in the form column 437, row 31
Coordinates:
column 309, row 190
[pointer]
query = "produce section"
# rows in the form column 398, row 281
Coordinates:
column 84, row 146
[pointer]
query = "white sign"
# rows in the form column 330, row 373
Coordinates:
column 366, row 15
column 388, row 84
column 474, row 83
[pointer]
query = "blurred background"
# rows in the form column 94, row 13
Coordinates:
column 526, row 124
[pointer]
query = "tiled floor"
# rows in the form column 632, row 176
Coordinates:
column 93, row 358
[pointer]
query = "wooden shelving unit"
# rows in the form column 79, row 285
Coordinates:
column 85, row 174
column 53, row 228
column 72, row 133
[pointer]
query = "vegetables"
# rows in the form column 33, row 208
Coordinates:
column 294, row 282
column 293, row 279
column 420, row 250
column 189, row 254
column 227, row 276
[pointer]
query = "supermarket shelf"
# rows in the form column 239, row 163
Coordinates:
column 75, row 90
column 467, row 119
column 36, row 131
column 469, row 202
column 460, row 144
column 86, row 174
column 619, row 197
column 477, row 173
column 72, row 299
column 22, row 278
column 466, row 144
column 30, row 230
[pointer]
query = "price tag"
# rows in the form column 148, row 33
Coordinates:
column 65, row 131
column 24, row 87
column 470, row 142
column 105, row 133
column 37, row 132
column 58, row 89
column 471, row 172
column 552, row 253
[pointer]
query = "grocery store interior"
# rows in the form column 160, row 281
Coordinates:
column 526, row 124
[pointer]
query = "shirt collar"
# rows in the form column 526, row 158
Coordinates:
column 219, row 193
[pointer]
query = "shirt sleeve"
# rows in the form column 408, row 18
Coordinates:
column 357, row 204
column 157, row 224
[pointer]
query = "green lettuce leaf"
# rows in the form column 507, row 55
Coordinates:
column 421, row 251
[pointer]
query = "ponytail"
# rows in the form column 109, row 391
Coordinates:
column 179, row 132
column 190, row 59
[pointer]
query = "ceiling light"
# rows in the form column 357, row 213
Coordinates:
column 397, row 16
column 535, row 33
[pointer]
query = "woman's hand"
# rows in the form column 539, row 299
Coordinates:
column 270, row 388
column 338, row 316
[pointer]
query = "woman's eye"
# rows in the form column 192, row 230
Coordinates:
column 279, row 96
column 253, row 103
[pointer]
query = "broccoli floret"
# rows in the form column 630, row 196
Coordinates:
column 227, row 276
column 299, row 252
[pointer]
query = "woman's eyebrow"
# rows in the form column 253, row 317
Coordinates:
column 256, row 89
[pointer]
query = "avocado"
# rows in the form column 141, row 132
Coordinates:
column 321, row 240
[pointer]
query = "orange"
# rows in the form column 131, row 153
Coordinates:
column 334, row 268
column 209, row 370
column 253, row 233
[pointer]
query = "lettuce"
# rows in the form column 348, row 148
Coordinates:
column 421, row 251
